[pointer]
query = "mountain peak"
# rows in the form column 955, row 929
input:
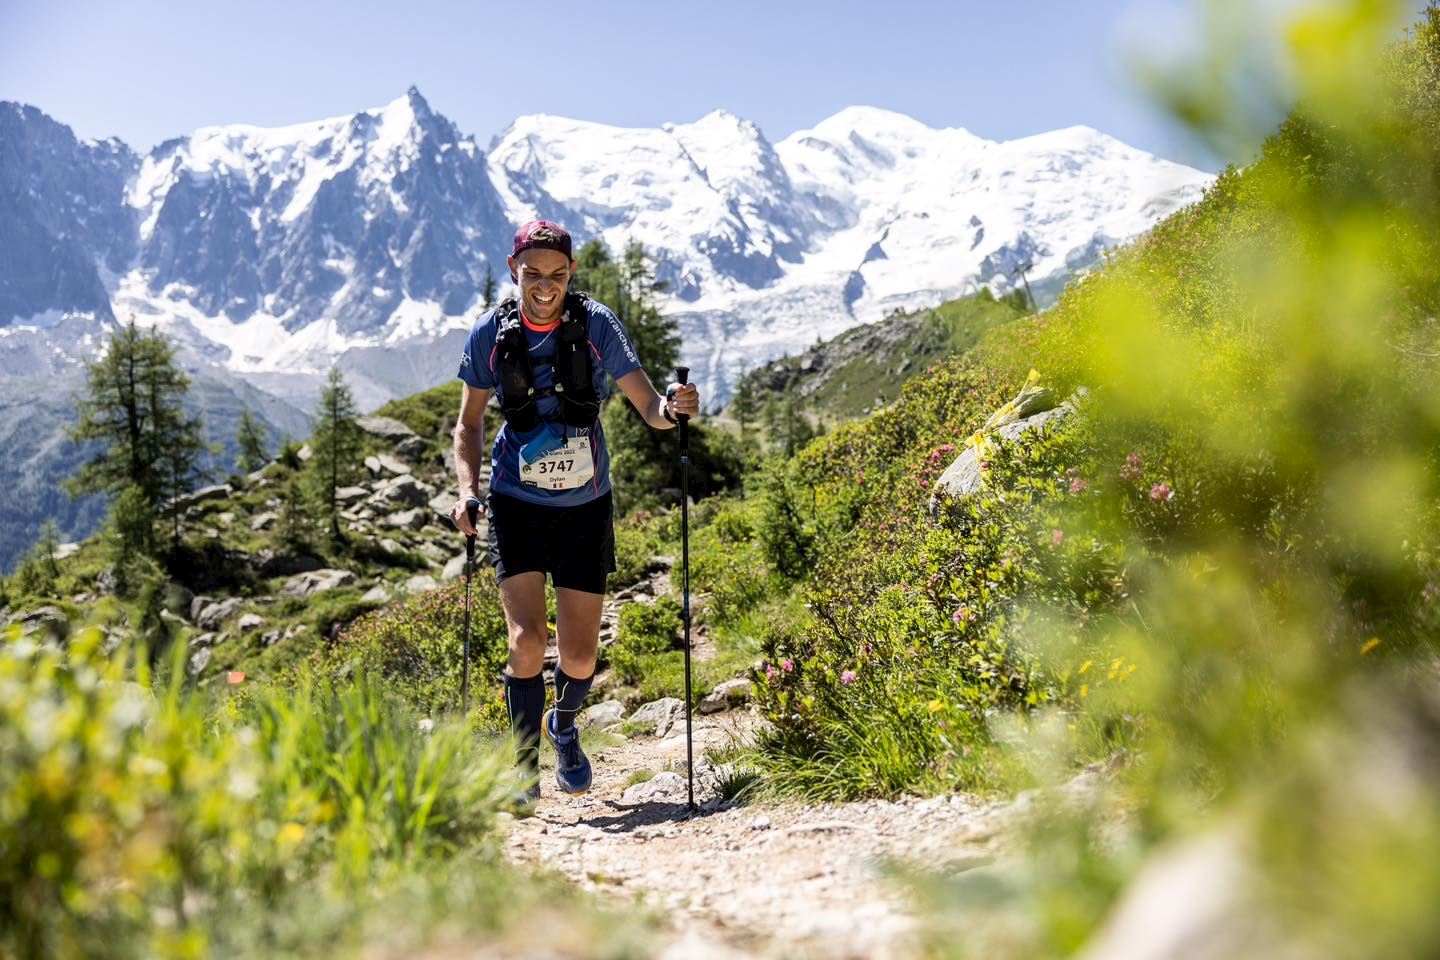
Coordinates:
column 871, row 120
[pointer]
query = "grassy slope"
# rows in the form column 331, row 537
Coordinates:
column 847, row 376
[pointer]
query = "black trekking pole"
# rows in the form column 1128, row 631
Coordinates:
column 472, row 510
column 682, row 374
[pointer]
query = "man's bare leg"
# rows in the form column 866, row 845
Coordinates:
column 577, row 628
column 523, row 598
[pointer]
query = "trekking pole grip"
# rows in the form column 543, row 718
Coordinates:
column 682, row 376
column 472, row 510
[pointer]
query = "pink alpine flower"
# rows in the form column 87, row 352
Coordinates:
column 848, row 677
column 1161, row 492
column 787, row 665
column 1131, row 470
column 770, row 671
column 963, row 615
column 1079, row 485
column 1057, row 537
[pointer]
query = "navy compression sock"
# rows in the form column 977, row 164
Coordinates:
column 525, row 700
column 569, row 698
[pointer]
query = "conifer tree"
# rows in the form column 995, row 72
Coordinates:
column 134, row 406
column 745, row 405
column 487, row 287
column 335, row 448
column 250, row 438
column 628, row 287
column 785, row 422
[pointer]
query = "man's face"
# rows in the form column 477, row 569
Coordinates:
column 543, row 276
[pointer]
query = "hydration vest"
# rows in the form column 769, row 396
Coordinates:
column 573, row 372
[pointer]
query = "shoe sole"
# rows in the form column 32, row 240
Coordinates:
column 545, row 725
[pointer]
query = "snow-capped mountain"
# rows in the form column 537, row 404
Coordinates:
column 271, row 253
column 765, row 247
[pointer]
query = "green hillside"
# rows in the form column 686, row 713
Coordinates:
column 864, row 367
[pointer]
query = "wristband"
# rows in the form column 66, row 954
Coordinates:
column 665, row 412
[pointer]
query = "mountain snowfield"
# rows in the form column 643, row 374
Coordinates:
column 270, row 254
column 768, row 247
column 274, row 252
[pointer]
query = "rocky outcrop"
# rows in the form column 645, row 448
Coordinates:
column 730, row 693
column 1033, row 410
column 386, row 428
column 316, row 581
column 661, row 715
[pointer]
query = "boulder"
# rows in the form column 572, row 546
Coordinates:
column 442, row 502
column 411, row 449
column 199, row 660
column 373, row 465
column 731, row 693
column 387, row 428
column 437, row 554
column 403, row 491
column 420, row 583
column 667, row 783
column 603, row 714
column 662, row 714
column 250, row 621
column 218, row 492
column 349, row 495
column 304, row 453
column 376, row 594
column 264, row 521
column 964, row 476
column 316, row 581
column 412, row 519
column 455, row 568
column 213, row 614
column 65, row 550
column 46, row 619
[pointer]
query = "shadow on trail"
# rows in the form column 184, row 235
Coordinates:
column 630, row 817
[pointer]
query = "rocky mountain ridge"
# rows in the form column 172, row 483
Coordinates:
column 364, row 241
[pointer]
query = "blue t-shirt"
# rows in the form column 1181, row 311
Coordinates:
column 612, row 352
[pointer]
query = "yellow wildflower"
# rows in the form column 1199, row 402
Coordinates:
column 1369, row 645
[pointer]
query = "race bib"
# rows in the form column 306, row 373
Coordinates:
column 566, row 467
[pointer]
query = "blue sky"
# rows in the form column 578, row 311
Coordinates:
column 147, row 70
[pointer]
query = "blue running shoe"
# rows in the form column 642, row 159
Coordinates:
column 572, row 767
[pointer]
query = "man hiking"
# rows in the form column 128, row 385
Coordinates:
column 546, row 357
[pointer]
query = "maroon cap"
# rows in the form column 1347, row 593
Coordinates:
column 545, row 234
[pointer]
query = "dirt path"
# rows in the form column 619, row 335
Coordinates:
column 758, row 880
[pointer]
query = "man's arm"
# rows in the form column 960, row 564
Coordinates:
column 469, row 452
column 651, row 405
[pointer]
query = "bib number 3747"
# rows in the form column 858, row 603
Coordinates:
column 564, row 468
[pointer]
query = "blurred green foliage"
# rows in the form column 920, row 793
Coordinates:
column 158, row 822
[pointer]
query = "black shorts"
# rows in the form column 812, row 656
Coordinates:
column 575, row 545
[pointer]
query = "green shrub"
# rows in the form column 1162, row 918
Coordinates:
column 727, row 562
column 416, row 647
column 135, row 824
column 644, row 629
column 637, row 542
